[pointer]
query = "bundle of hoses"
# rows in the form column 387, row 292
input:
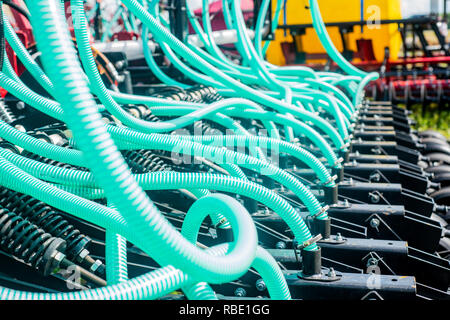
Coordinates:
column 292, row 99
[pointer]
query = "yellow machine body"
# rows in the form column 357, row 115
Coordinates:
column 382, row 36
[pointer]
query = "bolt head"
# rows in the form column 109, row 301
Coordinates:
column 260, row 285
column 374, row 223
column 374, row 198
column 240, row 292
column 280, row 245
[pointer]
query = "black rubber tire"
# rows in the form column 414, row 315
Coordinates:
column 443, row 179
column 442, row 196
column 439, row 219
column 434, row 141
column 432, row 134
column 436, row 148
column 444, row 243
column 441, row 158
column 438, row 170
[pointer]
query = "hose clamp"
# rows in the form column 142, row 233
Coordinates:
column 330, row 181
column 349, row 137
column 323, row 210
column 309, row 242
column 345, row 146
column 338, row 162
column 220, row 223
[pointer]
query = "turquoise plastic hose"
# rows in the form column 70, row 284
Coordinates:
column 327, row 43
column 73, row 157
column 110, row 104
column 116, row 257
column 25, row 57
column 60, row 62
column 162, row 35
column 154, row 141
column 83, row 183
column 210, row 40
column 53, row 109
column 152, row 63
column 264, row 263
column 199, row 291
column 151, row 285
column 140, row 216
column 138, row 288
column 219, row 155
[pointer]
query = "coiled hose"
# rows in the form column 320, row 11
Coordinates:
column 264, row 263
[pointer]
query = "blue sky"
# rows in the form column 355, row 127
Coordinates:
column 411, row 7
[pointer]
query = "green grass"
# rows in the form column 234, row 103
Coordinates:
column 430, row 117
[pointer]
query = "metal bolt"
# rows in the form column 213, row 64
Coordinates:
column 374, row 223
column 82, row 255
column 95, row 266
column 58, row 257
column 376, row 150
column 260, row 285
column 331, row 273
column 372, row 262
column 119, row 64
column 20, row 105
column 240, row 292
column 375, row 177
column 280, row 245
column 374, row 198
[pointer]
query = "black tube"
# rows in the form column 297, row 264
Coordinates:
column 311, row 262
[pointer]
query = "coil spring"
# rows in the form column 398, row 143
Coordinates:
column 143, row 161
column 152, row 118
column 199, row 126
column 204, row 128
column 6, row 114
column 45, row 218
column 24, row 240
column 196, row 94
column 55, row 163
column 177, row 96
column 212, row 97
column 44, row 135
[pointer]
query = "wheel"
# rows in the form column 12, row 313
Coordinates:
column 443, row 179
column 439, row 158
column 442, row 196
column 432, row 134
column 433, row 148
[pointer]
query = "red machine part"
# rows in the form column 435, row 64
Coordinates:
column 25, row 34
column 124, row 35
column 416, row 82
